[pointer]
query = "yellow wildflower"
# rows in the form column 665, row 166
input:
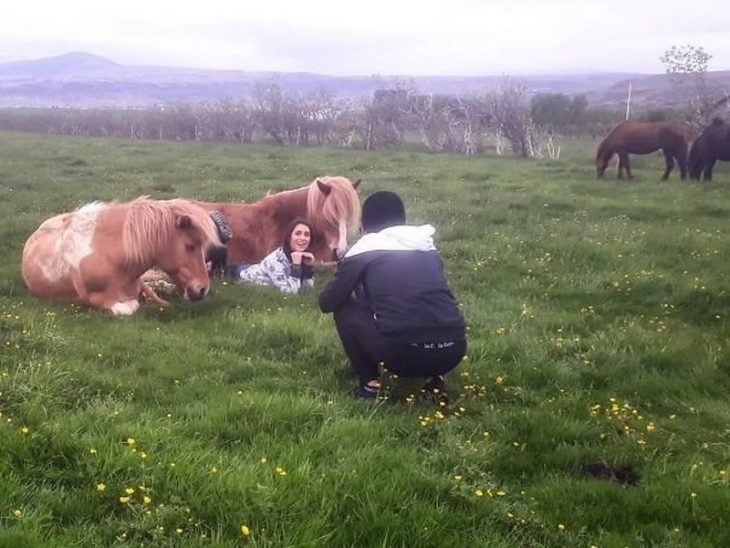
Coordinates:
column 245, row 531
column 100, row 487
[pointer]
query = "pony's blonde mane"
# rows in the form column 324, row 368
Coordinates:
column 151, row 225
column 342, row 203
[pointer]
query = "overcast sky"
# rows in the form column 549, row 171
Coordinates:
column 364, row 37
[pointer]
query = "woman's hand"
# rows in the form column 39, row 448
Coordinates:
column 302, row 257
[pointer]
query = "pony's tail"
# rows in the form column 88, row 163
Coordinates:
column 695, row 162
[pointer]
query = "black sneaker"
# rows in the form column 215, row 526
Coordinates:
column 365, row 392
column 434, row 390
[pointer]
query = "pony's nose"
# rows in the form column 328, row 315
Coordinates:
column 196, row 294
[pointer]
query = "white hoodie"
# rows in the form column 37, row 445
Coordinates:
column 396, row 238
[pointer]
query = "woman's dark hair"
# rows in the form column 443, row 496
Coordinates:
column 287, row 238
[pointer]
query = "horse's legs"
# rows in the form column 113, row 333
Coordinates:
column 148, row 293
column 670, row 164
column 620, row 174
column 121, row 301
column 682, row 161
column 709, row 165
column 624, row 165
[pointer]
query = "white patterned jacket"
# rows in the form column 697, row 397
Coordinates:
column 277, row 270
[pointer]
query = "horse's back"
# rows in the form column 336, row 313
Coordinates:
column 45, row 270
column 55, row 250
column 254, row 228
column 648, row 137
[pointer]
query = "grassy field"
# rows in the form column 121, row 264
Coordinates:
column 598, row 333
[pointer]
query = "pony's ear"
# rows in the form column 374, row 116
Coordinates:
column 356, row 183
column 184, row 221
column 324, row 187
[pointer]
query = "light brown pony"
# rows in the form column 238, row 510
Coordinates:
column 643, row 138
column 98, row 253
column 330, row 204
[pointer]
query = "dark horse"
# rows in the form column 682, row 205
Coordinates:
column 712, row 145
column 643, row 138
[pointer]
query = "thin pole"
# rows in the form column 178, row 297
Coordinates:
column 628, row 102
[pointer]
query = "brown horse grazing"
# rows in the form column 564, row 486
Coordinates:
column 643, row 138
column 98, row 253
column 330, row 204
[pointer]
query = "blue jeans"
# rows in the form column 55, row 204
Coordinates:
column 234, row 270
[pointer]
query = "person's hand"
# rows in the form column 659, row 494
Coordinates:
column 296, row 257
column 307, row 258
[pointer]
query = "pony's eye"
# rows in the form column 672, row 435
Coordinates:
column 189, row 248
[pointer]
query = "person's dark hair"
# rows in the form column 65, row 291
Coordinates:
column 381, row 210
column 287, row 238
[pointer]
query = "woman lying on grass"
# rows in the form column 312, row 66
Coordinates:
column 289, row 267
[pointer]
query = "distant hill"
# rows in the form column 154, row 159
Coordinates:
column 656, row 89
column 84, row 80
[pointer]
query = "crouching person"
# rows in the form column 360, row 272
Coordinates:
column 392, row 303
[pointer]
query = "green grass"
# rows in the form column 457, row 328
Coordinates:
column 598, row 331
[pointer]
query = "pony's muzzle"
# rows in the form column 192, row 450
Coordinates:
column 338, row 255
column 196, row 293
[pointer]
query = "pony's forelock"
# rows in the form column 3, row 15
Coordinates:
column 341, row 203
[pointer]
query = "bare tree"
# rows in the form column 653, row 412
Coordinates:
column 268, row 106
column 431, row 120
column 510, row 110
column 224, row 120
column 382, row 121
column 687, row 67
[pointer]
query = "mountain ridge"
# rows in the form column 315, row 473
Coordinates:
column 81, row 79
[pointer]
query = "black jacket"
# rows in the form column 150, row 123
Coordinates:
column 406, row 290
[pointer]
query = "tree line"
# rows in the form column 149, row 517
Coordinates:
column 500, row 119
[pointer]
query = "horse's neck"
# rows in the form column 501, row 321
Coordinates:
column 292, row 203
column 606, row 148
